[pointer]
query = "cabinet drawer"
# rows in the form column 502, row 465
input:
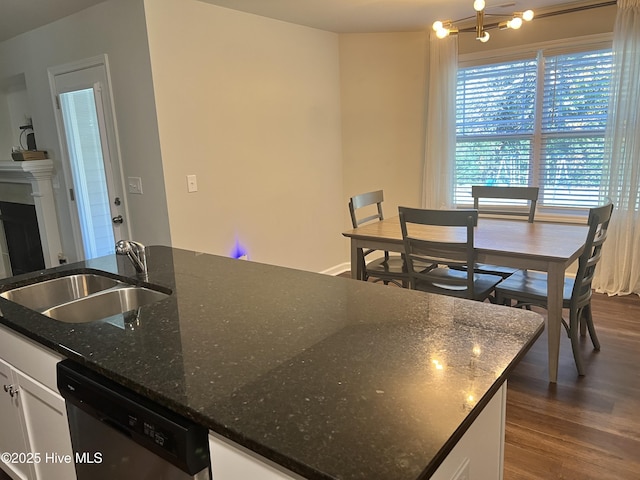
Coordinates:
column 26, row 355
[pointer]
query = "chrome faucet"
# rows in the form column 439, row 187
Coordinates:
column 136, row 253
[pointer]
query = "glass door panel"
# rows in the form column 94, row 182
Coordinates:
column 82, row 130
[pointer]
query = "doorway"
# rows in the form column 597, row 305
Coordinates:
column 90, row 155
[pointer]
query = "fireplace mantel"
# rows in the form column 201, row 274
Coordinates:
column 27, row 169
column 38, row 174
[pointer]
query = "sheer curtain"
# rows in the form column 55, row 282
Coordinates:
column 619, row 269
column 440, row 148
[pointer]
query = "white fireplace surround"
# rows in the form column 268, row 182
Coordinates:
column 38, row 174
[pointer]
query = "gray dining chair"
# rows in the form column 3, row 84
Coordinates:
column 482, row 193
column 443, row 278
column 528, row 288
column 365, row 208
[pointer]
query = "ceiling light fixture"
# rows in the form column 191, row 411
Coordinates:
column 446, row 28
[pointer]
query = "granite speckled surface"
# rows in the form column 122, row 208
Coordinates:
column 329, row 377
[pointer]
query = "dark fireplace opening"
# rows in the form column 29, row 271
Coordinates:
column 23, row 237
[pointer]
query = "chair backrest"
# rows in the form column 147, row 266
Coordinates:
column 364, row 200
column 530, row 194
column 598, row 225
column 457, row 251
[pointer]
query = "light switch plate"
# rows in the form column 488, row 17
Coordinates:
column 192, row 183
column 135, row 185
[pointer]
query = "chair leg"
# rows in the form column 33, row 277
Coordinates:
column 574, row 327
column 588, row 319
column 501, row 300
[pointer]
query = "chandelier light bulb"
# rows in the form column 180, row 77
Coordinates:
column 442, row 33
column 515, row 23
column 437, row 25
column 478, row 5
column 485, row 37
column 527, row 15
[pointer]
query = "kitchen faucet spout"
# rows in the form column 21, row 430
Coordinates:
column 136, row 253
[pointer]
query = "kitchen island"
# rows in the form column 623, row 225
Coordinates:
column 319, row 376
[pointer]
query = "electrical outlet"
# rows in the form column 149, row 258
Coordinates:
column 135, row 185
column 192, row 183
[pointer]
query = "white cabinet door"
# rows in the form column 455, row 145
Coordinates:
column 44, row 418
column 479, row 454
column 12, row 440
column 230, row 461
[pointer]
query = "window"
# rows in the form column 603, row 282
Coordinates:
column 538, row 122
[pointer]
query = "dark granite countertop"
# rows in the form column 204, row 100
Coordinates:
column 327, row 376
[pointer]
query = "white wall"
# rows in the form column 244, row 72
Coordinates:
column 14, row 112
column 117, row 28
column 251, row 106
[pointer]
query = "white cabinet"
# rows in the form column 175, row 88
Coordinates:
column 479, row 454
column 33, row 417
column 230, row 461
column 12, row 438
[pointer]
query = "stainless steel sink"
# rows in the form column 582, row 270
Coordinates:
column 43, row 295
column 83, row 297
column 105, row 304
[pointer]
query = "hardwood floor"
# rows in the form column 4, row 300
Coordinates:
column 582, row 427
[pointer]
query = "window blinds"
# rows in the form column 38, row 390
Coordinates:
column 494, row 126
column 514, row 128
column 574, row 118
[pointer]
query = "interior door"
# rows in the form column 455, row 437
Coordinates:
column 87, row 133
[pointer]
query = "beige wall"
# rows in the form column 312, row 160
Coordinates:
column 382, row 81
column 251, row 106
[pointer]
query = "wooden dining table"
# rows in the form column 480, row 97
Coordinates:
column 542, row 246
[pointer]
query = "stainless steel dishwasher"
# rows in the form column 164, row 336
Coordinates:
column 117, row 434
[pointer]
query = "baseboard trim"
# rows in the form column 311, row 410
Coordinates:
column 337, row 269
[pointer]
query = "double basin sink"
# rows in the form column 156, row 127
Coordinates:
column 83, row 297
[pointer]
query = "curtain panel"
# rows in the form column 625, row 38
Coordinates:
column 440, row 147
column 619, row 269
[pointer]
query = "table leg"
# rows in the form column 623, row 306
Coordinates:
column 555, row 284
column 355, row 264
